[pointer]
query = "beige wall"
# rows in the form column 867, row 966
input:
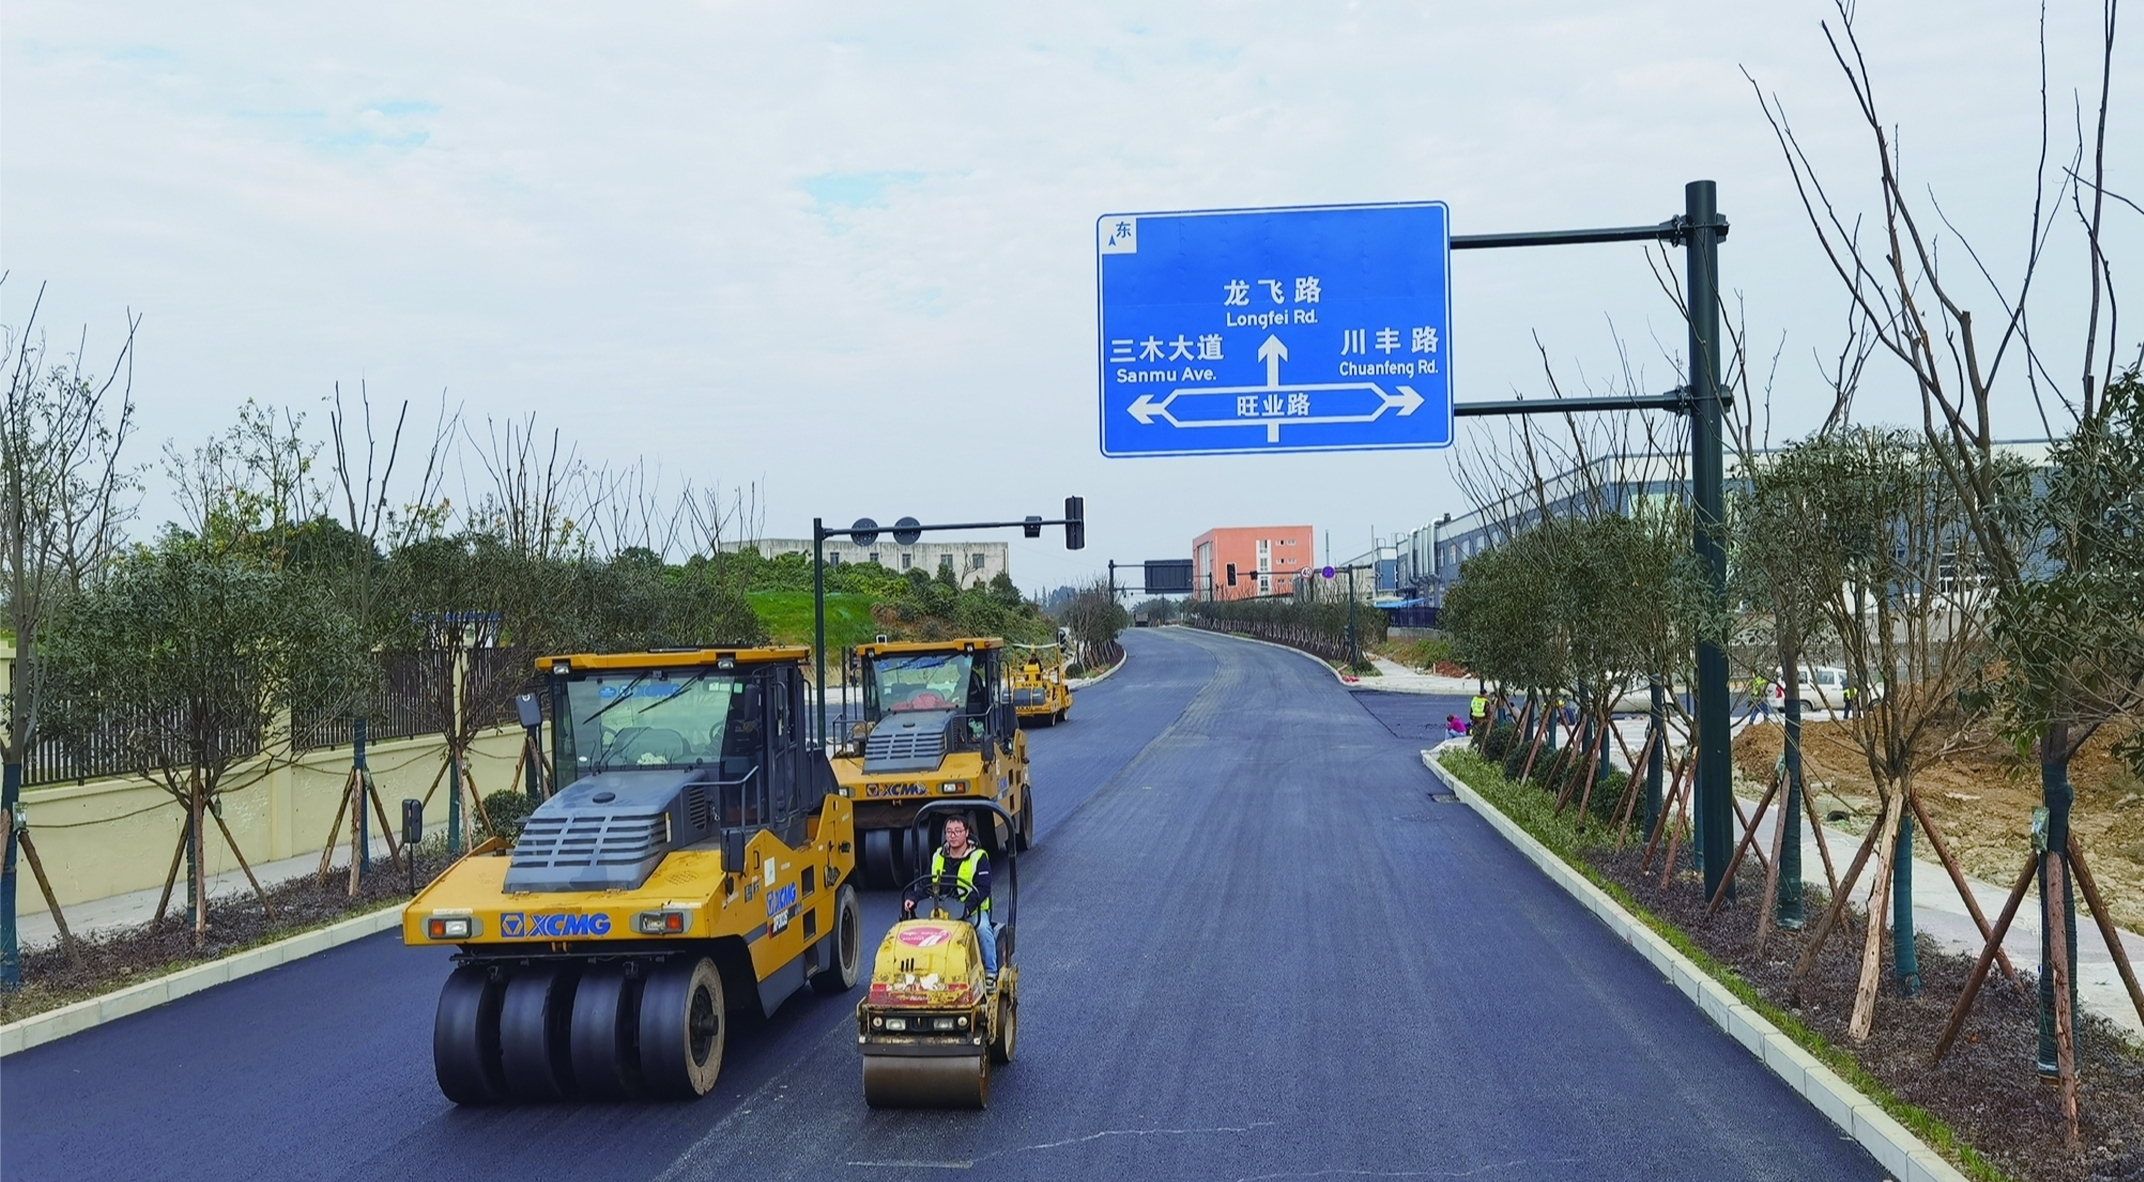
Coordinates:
column 109, row 837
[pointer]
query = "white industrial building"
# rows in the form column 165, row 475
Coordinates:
column 970, row 562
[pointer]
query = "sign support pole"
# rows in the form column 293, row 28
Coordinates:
column 1715, row 766
column 1698, row 230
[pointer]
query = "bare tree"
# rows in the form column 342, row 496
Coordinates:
column 1969, row 367
column 534, row 493
column 63, row 502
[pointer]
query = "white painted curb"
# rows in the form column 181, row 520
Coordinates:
column 1104, row 675
column 90, row 1012
column 1287, row 648
column 1892, row 1144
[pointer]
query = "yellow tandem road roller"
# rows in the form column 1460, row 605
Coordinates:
column 1039, row 693
column 937, row 723
column 934, row 1022
column 694, row 866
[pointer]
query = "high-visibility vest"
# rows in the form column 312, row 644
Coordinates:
column 965, row 873
column 1479, row 708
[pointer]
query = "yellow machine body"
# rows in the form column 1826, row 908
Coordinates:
column 933, row 1024
column 730, row 891
column 983, row 756
column 781, row 899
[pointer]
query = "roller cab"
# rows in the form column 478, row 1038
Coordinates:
column 695, row 865
column 933, row 1024
column 937, row 722
column 1039, row 694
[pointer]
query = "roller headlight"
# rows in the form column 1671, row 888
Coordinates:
column 661, row 923
column 451, row 927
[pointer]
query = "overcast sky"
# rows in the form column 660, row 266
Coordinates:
column 847, row 249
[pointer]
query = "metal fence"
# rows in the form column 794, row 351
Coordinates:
column 410, row 698
column 496, row 675
column 1302, row 636
column 121, row 745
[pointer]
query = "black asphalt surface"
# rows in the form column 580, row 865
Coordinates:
column 1252, row 947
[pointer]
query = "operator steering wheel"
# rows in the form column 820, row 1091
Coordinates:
column 956, row 899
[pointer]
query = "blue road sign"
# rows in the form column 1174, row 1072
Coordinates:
column 1321, row 328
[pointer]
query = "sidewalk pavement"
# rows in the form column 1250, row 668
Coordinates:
column 34, row 926
column 1941, row 914
column 1396, row 678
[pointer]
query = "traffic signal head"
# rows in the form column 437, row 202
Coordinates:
column 1231, row 574
column 1075, row 523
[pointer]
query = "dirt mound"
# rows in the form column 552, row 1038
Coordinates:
column 1981, row 794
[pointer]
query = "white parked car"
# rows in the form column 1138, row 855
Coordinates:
column 1823, row 687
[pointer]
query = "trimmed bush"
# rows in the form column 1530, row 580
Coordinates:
column 1500, row 741
column 507, row 809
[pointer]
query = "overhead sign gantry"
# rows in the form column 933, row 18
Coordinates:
column 1317, row 287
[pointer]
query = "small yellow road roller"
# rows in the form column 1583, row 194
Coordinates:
column 1039, row 693
column 934, row 1024
column 693, row 866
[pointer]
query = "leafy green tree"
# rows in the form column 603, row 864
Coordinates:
column 187, row 655
column 1095, row 620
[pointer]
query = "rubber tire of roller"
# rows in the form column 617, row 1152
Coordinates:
column 882, row 858
column 899, row 1081
column 465, row 1038
column 1005, row 1042
column 535, row 1024
column 847, row 942
column 1024, row 832
column 681, row 1051
column 606, row 1009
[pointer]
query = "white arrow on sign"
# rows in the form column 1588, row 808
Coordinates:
column 1146, row 408
column 1272, row 353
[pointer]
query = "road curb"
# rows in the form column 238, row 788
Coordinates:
column 1103, row 676
column 1289, row 648
column 1892, row 1144
column 90, row 1012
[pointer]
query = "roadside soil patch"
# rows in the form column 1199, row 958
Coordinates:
column 1982, row 795
column 1986, row 1088
column 1986, row 1091
column 127, row 956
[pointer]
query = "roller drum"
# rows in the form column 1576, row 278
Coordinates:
column 900, row 1081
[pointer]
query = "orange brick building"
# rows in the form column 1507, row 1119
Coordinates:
column 1265, row 559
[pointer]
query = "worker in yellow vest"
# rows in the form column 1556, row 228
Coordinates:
column 1477, row 719
column 962, row 869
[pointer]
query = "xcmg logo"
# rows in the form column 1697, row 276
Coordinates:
column 551, row 925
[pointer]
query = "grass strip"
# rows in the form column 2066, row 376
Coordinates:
column 788, row 617
column 34, row 998
column 1535, row 811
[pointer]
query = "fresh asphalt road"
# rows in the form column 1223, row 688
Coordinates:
column 1252, row 946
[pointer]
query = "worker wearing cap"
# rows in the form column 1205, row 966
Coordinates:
column 961, row 862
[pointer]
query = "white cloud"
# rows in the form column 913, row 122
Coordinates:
column 849, row 246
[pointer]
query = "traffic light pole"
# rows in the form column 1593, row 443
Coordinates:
column 905, row 532
column 1698, row 230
